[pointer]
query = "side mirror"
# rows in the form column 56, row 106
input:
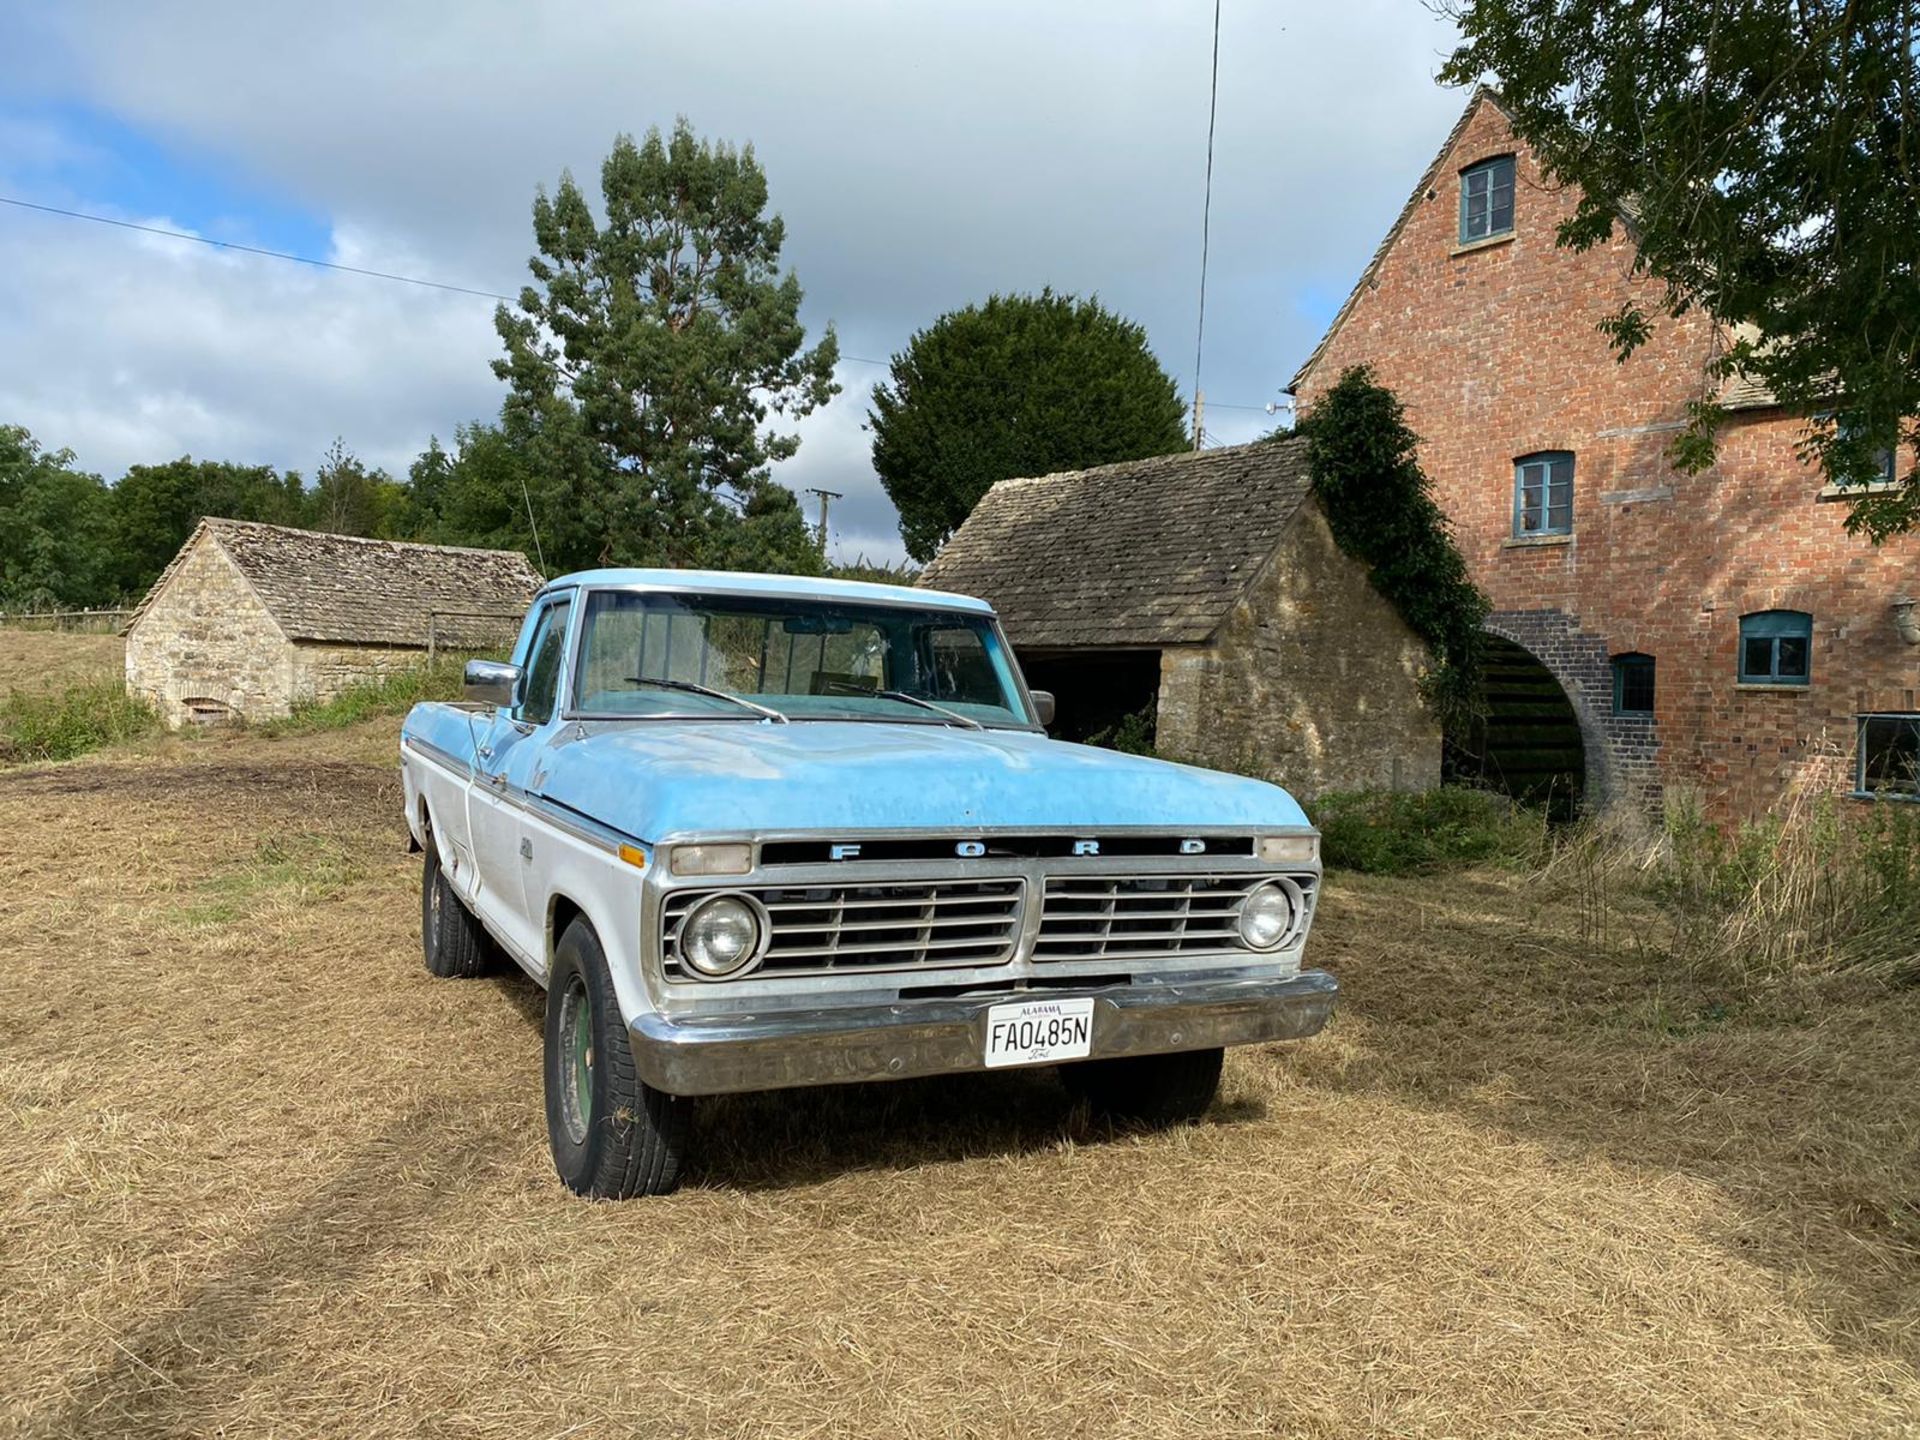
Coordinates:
column 1043, row 706
column 491, row 682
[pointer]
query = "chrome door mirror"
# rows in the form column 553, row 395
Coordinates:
column 1043, row 706
column 491, row 682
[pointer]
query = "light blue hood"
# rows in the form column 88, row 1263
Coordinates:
column 658, row 780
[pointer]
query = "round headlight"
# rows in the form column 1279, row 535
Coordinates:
column 1266, row 917
column 720, row 936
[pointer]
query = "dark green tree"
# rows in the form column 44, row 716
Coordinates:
column 1022, row 385
column 155, row 508
column 1379, row 504
column 667, row 335
column 1767, row 154
column 55, row 529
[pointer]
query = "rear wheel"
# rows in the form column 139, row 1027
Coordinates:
column 612, row 1134
column 451, row 940
column 1148, row 1089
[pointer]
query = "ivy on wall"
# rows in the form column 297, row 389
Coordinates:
column 1380, row 507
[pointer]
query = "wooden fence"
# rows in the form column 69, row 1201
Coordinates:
column 93, row 622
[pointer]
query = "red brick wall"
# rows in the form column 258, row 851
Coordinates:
column 1495, row 354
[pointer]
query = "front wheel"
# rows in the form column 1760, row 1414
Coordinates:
column 1148, row 1089
column 612, row 1134
column 451, row 940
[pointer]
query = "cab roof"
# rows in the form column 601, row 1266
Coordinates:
column 782, row 587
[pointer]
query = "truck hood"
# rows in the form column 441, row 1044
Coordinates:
column 656, row 781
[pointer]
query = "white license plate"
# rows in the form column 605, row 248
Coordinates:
column 1039, row 1032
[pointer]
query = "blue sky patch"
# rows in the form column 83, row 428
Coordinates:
column 102, row 162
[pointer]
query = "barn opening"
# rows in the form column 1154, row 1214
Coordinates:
column 1096, row 691
column 1526, row 740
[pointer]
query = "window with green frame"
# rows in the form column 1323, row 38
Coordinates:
column 1776, row 648
column 1543, row 494
column 1885, row 454
column 1888, row 762
column 1633, row 684
column 1486, row 199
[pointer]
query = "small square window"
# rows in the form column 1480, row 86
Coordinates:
column 1543, row 494
column 1776, row 648
column 1889, row 758
column 1486, row 199
column 1633, row 685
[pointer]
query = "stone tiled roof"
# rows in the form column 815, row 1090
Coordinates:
column 1148, row 552
column 347, row 590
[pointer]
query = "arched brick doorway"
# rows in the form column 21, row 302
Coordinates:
column 1535, row 739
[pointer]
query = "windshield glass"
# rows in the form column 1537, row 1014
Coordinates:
column 808, row 659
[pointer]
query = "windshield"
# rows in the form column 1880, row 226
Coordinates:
column 808, row 659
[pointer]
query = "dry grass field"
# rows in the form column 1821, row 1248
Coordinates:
column 264, row 1177
column 53, row 659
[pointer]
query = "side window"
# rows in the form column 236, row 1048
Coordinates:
column 1486, row 199
column 1776, row 648
column 1889, row 758
column 540, row 681
column 1633, row 684
column 1543, row 494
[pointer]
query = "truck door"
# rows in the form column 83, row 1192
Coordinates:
column 504, row 760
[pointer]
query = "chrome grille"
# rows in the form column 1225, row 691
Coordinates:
column 1086, row 917
column 821, row 929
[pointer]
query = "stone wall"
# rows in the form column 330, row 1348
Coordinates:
column 1493, row 349
column 1312, row 681
column 206, row 637
column 321, row 672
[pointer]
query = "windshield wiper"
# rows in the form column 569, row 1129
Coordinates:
column 905, row 699
column 692, row 689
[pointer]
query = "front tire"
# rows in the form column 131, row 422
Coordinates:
column 451, row 940
column 1156, row 1090
column 612, row 1134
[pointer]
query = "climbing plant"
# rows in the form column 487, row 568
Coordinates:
column 1380, row 506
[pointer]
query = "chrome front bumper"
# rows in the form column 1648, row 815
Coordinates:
column 776, row 1048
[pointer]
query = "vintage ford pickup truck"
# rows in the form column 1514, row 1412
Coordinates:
column 753, row 831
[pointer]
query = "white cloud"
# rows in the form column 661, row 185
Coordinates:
column 923, row 155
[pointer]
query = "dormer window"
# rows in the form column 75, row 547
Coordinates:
column 1486, row 199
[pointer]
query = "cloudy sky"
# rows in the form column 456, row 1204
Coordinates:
column 923, row 154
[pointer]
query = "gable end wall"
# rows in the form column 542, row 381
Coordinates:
column 206, row 635
column 1495, row 354
column 1312, row 681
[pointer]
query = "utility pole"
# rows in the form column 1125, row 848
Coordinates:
column 825, row 496
column 1199, row 417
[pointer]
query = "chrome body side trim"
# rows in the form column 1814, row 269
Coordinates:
column 731, row 1050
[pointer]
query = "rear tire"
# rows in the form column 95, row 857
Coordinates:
column 451, row 940
column 612, row 1134
column 1152, row 1090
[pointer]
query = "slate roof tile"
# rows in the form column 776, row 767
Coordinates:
column 344, row 589
column 1147, row 552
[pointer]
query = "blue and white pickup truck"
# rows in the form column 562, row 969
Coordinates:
column 753, row 831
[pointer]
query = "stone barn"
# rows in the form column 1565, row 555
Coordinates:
column 250, row 618
column 1203, row 593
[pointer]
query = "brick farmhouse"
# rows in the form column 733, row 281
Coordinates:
column 249, row 619
column 1205, row 589
column 1721, row 632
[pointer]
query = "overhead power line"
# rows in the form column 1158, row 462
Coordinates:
column 255, row 250
column 1206, row 224
column 171, row 234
